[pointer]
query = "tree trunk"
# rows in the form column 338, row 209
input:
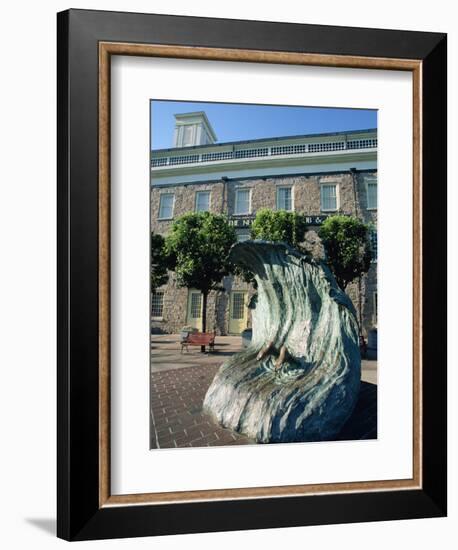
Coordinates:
column 204, row 316
column 342, row 283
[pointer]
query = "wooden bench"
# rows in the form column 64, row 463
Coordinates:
column 199, row 339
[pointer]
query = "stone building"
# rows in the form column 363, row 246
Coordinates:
column 317, row 175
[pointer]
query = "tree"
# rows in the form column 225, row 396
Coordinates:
column 279, row 225
column 275, row 225
column 159, row 262
column 348, row 250
column 197, row 247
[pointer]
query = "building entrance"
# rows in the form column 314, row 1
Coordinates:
column 238, row 314
column 194, row 316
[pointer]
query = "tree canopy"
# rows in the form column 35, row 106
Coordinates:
column 348, row 250
column 197, row 247
column 275, row 225
column 159, row 262
column 279, row 225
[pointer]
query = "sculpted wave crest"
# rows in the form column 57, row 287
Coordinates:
column 299, row 379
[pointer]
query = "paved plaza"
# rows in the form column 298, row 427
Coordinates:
column 179, row 382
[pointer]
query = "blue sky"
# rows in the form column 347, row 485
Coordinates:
column 235, row 121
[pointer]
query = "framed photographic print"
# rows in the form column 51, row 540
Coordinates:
column 251, row 299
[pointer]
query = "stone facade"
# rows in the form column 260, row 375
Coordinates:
column 352, row 197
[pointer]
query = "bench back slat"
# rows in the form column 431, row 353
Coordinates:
column 200, row 338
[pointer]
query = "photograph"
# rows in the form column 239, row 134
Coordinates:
column 226, row 260
column 263, row 274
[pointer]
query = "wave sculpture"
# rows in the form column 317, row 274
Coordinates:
column 299, row 378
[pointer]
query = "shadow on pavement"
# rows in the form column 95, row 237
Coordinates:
column 362, row 424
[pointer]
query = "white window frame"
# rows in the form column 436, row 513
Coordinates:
column 244, row 190
column 337, row 186
column 173, row 206
column 157, row 317
column 189, row 315
column 371, row 181
column 209, row 200
column 291, row 187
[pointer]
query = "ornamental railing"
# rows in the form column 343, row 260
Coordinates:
column 259, row 152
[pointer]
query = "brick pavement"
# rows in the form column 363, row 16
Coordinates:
column 178, row 421
column 176, row 410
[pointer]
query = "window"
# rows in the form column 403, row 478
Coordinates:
column 285, row 198
column 194, row 309
column 242, row 201
column 202, row 201
column 371, row 187
column 238, row 305
column 196, row 305
column 374, row 245
column 242, row 237
column 157, row 304
column 166, row 206
column 329, row 197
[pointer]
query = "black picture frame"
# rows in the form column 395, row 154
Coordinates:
column 80, row 516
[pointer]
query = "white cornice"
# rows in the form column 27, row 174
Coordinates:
column 262, row 162
column 266, row 166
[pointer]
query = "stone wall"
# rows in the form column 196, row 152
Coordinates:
column 306, row 192
column 185, row 200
